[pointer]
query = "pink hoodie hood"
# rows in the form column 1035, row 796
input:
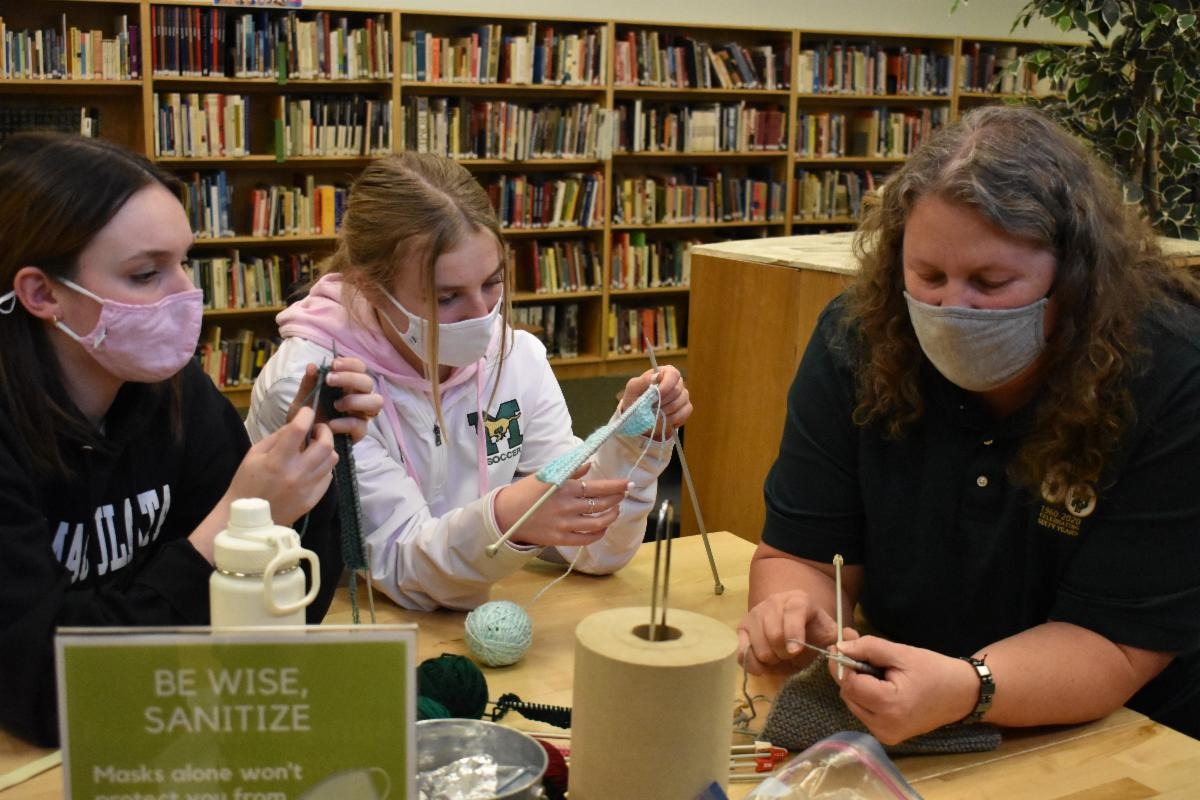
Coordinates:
column 323, row 318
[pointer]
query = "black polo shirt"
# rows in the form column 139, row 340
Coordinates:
column 956, row 557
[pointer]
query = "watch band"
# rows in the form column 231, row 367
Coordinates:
column 987, row 689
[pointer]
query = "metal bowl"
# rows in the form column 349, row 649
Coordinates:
column 443, row 741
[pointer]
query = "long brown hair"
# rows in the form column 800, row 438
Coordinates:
column 405, row 211
column 59, row 191
column 1032, row 180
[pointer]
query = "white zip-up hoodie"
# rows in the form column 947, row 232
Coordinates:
column 427, row 506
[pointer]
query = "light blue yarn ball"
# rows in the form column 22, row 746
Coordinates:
column 499, row 633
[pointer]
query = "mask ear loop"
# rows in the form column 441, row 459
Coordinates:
column 8, row 302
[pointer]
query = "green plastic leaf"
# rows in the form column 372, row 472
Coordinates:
column 1162, row 10
column 1132, row 192
column 1185, row 22
column 1110, row 12
column 1126, row 138
column 1064, row 23
column 1052, row 9
column 1188, row 153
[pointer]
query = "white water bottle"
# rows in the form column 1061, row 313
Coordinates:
column 257, row 578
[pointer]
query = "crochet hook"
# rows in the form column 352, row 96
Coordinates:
column 718, row 587
column 838, row 658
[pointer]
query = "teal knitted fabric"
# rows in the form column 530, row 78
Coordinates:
column 636, row 419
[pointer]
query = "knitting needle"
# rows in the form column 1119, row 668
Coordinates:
column 837, row 578
column 661, row 531
column 718, row 587
column 842, row 660
column 491, row 549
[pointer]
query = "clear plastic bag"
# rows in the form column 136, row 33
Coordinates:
column 845, row 766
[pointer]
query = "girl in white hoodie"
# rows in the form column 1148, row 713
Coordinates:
column 449, row 465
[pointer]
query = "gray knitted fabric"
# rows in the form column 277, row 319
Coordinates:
column 809, row 708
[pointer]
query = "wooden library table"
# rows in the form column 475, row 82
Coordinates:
column 1122, row 756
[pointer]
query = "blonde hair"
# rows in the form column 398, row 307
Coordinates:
column 405, row 211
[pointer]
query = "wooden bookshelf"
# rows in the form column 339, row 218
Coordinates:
column 604, row 67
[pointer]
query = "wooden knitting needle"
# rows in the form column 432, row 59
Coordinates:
column 718, row 587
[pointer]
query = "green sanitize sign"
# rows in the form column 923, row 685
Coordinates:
column 321, row 713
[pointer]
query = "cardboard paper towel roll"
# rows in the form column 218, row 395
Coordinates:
column 651, row 719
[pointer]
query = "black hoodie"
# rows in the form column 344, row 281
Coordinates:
column 109, row 546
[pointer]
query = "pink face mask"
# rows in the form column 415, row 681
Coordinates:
column 142, row 343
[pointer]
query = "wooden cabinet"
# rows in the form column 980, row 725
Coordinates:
column 754, row 307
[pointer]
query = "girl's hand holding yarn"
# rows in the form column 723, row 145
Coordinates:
column 577, row 514
column 673, row 401
column 358, row 401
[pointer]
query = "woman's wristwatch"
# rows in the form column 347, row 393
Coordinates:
column 987, row 689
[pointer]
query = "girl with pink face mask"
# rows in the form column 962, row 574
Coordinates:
column 118, row 457
column 418, row 289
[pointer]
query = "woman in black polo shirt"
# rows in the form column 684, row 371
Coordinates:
column 998, row 427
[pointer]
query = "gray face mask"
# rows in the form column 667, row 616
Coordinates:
column 979, row 348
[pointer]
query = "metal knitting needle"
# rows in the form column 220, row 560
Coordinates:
column 662, row 531
column 841, row 660
column 718, row 587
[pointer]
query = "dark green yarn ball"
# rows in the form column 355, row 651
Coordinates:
column 428, row 708
column 456, row 683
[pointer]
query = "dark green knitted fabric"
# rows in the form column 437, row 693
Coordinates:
column 809, row 709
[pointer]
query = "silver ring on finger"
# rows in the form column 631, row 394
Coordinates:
column 583, row 488
column 591, row 505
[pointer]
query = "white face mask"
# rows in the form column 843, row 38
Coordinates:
column 459, row 343
column 979, row 348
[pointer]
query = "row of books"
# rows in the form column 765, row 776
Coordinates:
column 641, row 264
column 548, row 201
column 556, row 324
column 999, row 69
column 869, row 133
column 333, row 125
column 629, row 328
column 235, row 361
column 559, row 266
column 464, row 128
column 194, row 41
column 699, row 128
column 231, row 282
column 207, row 200
column 650, row 58
column 295, row 211
column 67, row 52
column 868, row 68
column 833, row 193
column 63, row 119
column 698, row 195
column 201, row 125
column 487, row 54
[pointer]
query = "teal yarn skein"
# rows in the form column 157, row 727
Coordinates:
column 499, row 633
column 454, row 682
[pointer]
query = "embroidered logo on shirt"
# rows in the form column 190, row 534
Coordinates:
column 1059, row 520
column 504, row 427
